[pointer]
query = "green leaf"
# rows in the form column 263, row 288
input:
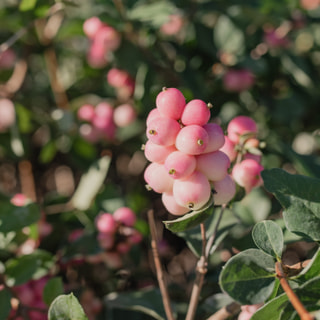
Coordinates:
column 66, row 307
column 5, row 305
column 90, row 183
column 147, row 301
column 268, row 236
column 13, row 218
column 312, row 269
column 300, row 197
column 191, row 219
column 31, row 266
column 52, row 289
column 249, row 276
column 26, row 5
column 48, row 152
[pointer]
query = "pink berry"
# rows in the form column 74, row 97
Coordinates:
column 123, row 247
column 247, row 174
column 173, row 26
column 224, row 190
column 7, row 114
column 157, row 178
column 135, row 238
column 91, row 26
column 86, row 112
column 192, row 139
column 238, row 80
column 163, row 131
column 154, row 113
column 229, row 149
column 213, row 165
column 117, row 78
column 106, row 240
column 172, row 206
column 171, row 103
column 89, row 133
column 107, row 37
column 125, row 215
column 106, row 223
column 20, row 200
column 7, row 59
column 96, row 56
column 193, row 192
column 216, row 137
column 196, row 112
column 157, row 152
column 180, row 165
column 239, row 126
column 124, row 115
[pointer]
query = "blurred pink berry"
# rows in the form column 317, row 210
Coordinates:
column 123, row 247
column 106, row 240
column 157, row 178
column 106, row 223
column 173, row 25
column 157, row 152
column 274, row 39
column 7, row 59
column 247, row 174
column 172, row 206
column 239, row 126
column 96, row 56
column 213, row 165
column 91, row 26
column 135, row 238
column 171, row 103
column 107, row 37
column 75, row 235
column 196, row 112
column 237, row 80
column 20, row 200
column 229, row 149
column 192, row 139
column 89, row 133
column 163, row 131
column 216, row 137
column 224, row 190
column 125, row 215
column 118, row 78
column 86, row 112
column 309, row 4
column 247, row 311
column 193, row 192
column 124, row 115
column 7, row 114
column 180, row 165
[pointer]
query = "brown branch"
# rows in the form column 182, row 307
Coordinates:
column 160, row 275
column 226, row 312
column 296, row 303
column 201, row 271
column 27, row 180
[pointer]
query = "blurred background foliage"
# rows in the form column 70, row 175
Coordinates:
column 44, row 156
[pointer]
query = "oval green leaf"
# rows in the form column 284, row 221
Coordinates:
column 52, row 289
column 268, row 236
column 249, row 277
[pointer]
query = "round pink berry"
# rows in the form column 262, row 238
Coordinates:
column 171, row 103
column 193, row 192
column 117, row 78
column 154, row 113
column 20, row 200
column 180, row 165
column 86, row 112
column 239, row 126
column 7, row 59
column 7, row 114
column 196, row 112
column 96, row 56
column 163, row 131
column 125, row 216
column 157, row 152
column 238, row 80
column 229, row 149
column 89, row 133
column 157, row 178
column 247, row 174
column 213, row 165
column 216, row 137
column 106, row 240
column 172, row 206
column 135, row 238
column 124, row 115
column 91, row 26
column 107, row 37
column 224, row 190
column 106, row 223
column 192, row 139
column 173, row 26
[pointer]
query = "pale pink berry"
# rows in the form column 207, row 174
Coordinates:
column 180, row 165
column 157, row 152
column 104, row 110
column 107, row 37
column 86, row 112
column 172, row 206
column 124, row 115
column 239, row 126
column 275, row 39
column 236, row 80
column 106, row 223
column 91, row 26
column 7, row 114
column 224, row 190
column 216, row 137
column 106, row 240
column 229, row 148
column 96, row 56
column 118, row 78
column 247, row 174
column 135, row 238
column 157, row 178
column 173, row 26
column 163, row 131
column 192, row 192
column 7, row 59
column 171, row 103
column 89, row 133
column 192, row 139
column 196, row 112
column 20, row 200
column 153, row 114
column 214, row 165
column 125, row 216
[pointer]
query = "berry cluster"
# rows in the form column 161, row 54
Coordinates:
column 186, row 163
column 116, row 231
column 104, row 40
column 7, row 114
column 242, row 146
column 102, row 120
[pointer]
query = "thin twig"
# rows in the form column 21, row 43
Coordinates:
column 160, row 275
column 296, row 303
column 226, row 312
column 201, row 271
